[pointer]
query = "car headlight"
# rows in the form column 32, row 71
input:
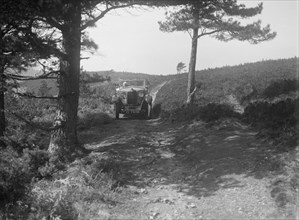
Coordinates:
column 140, row 93
column 123, row 95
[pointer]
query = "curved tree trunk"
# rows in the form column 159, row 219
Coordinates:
column 191, row 75
column 2, row 114
column 64, row 141
column 2, row 88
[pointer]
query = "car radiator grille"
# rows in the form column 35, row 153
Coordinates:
column 132, row 98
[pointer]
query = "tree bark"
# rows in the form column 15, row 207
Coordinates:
column 2, row 107
column 2, row 88
column 192, row 63
column 64, row 141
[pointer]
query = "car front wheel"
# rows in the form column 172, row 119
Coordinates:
column 117, row 110
column 149, row 111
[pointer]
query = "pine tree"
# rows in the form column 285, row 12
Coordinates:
column 218, row 19
column 15, row 53
column 180, row 67
column 69, row 19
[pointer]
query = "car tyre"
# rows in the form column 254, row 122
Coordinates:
column 149, row 111
column 117, row 110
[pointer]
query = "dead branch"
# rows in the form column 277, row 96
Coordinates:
column 33, row 124
column 23, row 78
column 192, row 93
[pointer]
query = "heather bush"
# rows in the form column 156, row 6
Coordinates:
column 207, row 113
column 94, row 179
column 280, row 87
column 94, row 103
column 18, row 171
column 279, row 115
column 275, row 120
column 213, row 111
column 92, row 118
column 15, row 177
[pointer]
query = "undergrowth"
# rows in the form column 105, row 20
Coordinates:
column 82, row 191
column 207, row 113
column 31, row 186
column 18, row 170
column 94, row 180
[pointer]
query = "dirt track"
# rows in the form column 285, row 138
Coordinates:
column 189, row 170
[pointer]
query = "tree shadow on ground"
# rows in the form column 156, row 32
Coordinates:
column 197, row 159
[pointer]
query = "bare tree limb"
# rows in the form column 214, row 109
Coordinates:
column 188, row 31
column 192, row 93
column 43, row 76
column 32, row 124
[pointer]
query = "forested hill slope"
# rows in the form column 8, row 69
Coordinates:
column 154, row 80
column 216, row 83
column 240, row 80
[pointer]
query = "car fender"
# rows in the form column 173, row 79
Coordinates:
column 148, row 99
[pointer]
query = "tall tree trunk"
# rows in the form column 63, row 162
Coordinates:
column 64, row 141
column 2, row 88
column 192, row 63
column 2, row 114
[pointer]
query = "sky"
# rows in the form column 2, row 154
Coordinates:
column 130, row 41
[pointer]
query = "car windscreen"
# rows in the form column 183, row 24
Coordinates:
column 133, row 83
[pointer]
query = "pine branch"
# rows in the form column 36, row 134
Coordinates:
column 208, row 33
column 24, row 78
column 102, row 14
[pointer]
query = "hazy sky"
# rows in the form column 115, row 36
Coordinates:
column 130, row 40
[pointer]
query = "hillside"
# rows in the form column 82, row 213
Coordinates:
column 239, row 81
column 154, row 80
column 201, row 162
column 216, row 83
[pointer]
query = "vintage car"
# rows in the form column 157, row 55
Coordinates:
column 132, row 97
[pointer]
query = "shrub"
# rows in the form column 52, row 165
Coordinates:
column 15, row 177
column 17, row 172
column 280, row 87
column 272, row 115
column 213, row 111
column 207, row 113
column 92, row 180
column 92, row 118
column 275, row 120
